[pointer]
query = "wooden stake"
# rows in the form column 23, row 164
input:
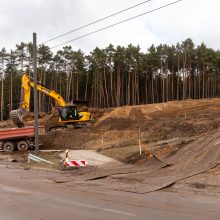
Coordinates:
column 139, row 141
column 102, row 140
column 67, row 155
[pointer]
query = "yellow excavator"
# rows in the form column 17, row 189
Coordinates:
column 68, row 112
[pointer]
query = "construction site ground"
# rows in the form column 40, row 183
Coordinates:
column 180, row 149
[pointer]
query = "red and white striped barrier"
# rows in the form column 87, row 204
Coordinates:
column 75, row 163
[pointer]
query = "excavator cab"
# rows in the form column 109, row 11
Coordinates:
column 69, row 112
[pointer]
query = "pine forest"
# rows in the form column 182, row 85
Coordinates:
column 113, row 76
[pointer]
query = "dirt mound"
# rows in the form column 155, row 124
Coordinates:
column 43, row 118
column 68, row 139
column 97, row 113
column 115, row 123
column 119, row 127
column 183, row 118
column 7, row 124
column 29, row 116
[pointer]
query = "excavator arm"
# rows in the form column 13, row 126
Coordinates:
column 28, row 83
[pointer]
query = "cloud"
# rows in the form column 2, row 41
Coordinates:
column 197, row 19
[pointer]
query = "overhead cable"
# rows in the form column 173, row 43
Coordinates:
column 94, row 22
column 120, row 22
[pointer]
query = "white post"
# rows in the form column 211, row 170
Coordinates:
column 139, row 140
column 67, row 155
column 102, row 139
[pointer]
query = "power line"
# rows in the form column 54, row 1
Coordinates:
column 120, row 22
column 94, row 22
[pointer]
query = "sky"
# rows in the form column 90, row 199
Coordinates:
column 196, row 19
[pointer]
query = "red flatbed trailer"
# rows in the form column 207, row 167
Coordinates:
column 18, row 138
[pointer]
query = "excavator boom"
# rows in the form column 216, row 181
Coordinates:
column 27, row 83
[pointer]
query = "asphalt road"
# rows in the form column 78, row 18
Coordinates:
column 31, row 194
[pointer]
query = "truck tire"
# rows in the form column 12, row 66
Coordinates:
column 9, row 146
column 23, row 145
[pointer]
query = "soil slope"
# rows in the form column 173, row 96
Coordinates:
column 157, row 122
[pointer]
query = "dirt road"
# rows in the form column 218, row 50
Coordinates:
column 31, row 194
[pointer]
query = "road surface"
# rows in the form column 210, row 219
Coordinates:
column 32, row 194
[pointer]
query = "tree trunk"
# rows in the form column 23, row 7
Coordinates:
column 146, row 93
column 106, row 90
column 85, row 94
column 2, row 98
column 203, row 81
column 11, row 90
column 152, row 89
column 118, row 87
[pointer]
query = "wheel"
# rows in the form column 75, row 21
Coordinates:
column 23, row 145
column 9, row 146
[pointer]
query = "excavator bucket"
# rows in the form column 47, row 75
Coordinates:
column 17, row 117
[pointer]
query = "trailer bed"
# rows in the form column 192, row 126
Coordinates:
column 18, row 138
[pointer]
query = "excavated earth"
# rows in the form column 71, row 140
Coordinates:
column 180, row 143
column 120, row 127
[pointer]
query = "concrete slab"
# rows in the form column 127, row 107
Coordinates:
column 92, row 157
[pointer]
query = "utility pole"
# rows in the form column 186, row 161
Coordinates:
column 2, row 95
column 36, row 132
